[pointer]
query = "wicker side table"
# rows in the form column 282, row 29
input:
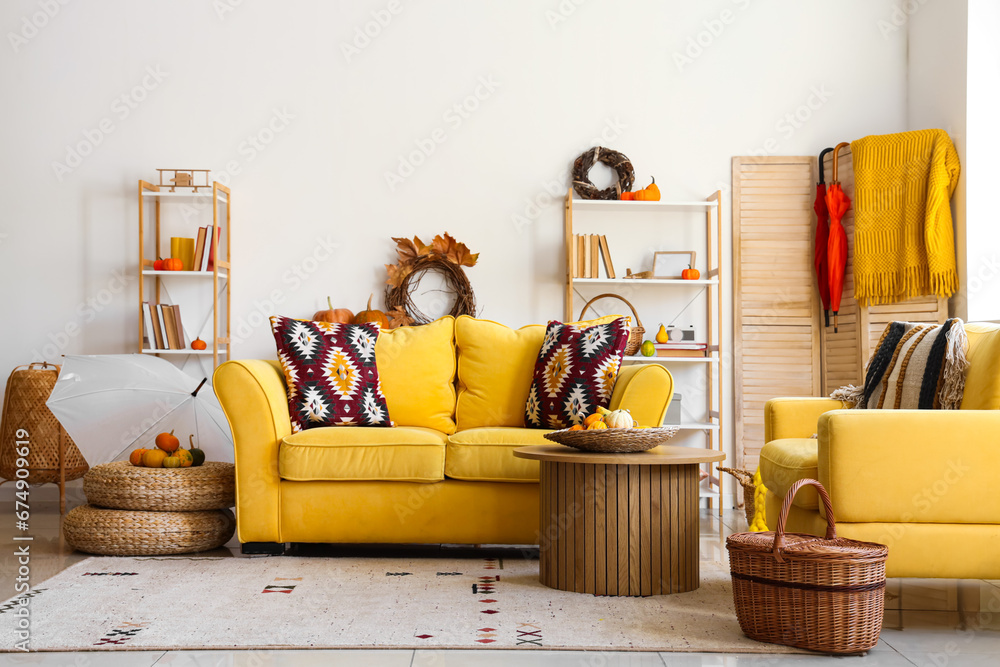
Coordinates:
column 137, row 511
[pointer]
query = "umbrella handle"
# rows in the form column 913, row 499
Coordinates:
column 821, row 156
column 836, row 157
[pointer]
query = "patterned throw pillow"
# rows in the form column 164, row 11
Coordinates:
column 330, row 372
column 575, row 373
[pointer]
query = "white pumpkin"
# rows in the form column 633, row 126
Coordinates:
column 619, row 419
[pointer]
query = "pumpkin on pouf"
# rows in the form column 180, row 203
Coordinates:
column 369, row 315
column 334, row 315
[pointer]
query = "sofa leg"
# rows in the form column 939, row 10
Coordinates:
column 263, row 548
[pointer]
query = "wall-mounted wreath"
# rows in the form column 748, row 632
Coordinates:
column 444, row 255
column 613, row 159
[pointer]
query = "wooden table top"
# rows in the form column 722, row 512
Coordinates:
column 664, row 455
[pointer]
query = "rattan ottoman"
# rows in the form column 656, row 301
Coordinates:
column 135, row 511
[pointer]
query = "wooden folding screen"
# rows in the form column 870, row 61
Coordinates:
column 781, row 345
column 776, row 311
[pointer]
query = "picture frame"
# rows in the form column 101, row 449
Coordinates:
column 669, row 264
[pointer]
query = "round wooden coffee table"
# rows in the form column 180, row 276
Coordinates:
column 619, row 524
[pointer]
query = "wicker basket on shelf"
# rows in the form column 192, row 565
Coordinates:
column 823, row 594
column 635, row 334
column 617, row 440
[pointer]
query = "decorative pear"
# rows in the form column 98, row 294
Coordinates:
column 662, row 336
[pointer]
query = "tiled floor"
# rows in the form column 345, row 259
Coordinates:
column 932, row 623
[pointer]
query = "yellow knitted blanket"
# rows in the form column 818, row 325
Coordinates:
column 904, row 244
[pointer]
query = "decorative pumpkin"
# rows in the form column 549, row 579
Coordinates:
column 168, row 442
column 369, row 315
column 158, row 264
column 198, row 344
column 597, row 425
column 619, row 419
column 650, row 193
column 596, row 417
column 173, row 264
column 334, row 315
column 576, row 427
column 197, row 455
column 153, row 458
column 135, row 458
column 690, row 273
column 185, row 456
column 172, row 462
column 627, row 196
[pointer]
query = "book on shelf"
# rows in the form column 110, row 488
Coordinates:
column 169, row 327
column 178, row 326
column 609, row 267
column 199, row 249
column 209, row 233
column 154, row 315
column 214, row 233
column 680, row 349
column 595, row 256
column 147, row 327
column 586, row 256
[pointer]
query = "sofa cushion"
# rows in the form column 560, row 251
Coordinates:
column 495, row 368
column 487, row 454
column 982, row 382
column 330, row 373
column 575, row 373
column 401, row 454
column 784, row 462
column 417, row 369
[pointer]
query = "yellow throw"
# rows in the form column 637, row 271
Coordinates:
column 904, row 244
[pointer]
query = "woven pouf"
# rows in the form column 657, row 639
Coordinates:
column 95, row 530
column 120, row 485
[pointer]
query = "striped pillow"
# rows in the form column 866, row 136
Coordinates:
column 915, row 366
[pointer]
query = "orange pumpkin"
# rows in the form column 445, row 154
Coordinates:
column 334, row 315
column 158, row 264
column 168, row 442
column 369, row 315
column 198, row 344
column 627, row 196
column 690, row 273
column 135, row 458
column 650, row 193
column 173, row 264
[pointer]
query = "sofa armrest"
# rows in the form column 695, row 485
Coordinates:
column 903, row 466
column 252, row 394
column 645, row 390
column 794, row 417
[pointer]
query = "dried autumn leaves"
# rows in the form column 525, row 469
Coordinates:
column 443, row 255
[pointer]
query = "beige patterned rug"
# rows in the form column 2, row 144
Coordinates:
column 288, row 602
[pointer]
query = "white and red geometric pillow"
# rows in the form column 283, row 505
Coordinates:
column 330, row 373
column 575, row 373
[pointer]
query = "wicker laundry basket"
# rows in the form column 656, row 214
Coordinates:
column 823, row 594
column 52, row 457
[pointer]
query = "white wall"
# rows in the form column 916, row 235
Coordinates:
column 562, row 74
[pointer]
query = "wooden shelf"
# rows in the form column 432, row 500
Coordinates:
column 186, row 274
column 696, row 426
column 672, row 360
column 650, row 281
column 200, row 194
column 188, row 351
column 660, row 206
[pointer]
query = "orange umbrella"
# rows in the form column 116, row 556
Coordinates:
column 837, row 204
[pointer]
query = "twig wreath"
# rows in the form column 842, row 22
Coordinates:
column 606, row 156
column 445, row 256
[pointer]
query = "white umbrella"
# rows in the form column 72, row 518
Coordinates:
column 111, row 404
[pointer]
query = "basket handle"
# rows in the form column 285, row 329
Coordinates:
column 742, row 476
column 638, row 322
column 779, row 532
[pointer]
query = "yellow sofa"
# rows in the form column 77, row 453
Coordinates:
column 446, row 473
column 922, row 482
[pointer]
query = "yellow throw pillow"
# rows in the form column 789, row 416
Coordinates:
column 417, row 368
column 495, row 368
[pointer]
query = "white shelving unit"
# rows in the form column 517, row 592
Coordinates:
column 218, row 279
column 710, row 283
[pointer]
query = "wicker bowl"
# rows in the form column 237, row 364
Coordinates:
column 617, row 440
column 120, row 485
column 124, row 533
